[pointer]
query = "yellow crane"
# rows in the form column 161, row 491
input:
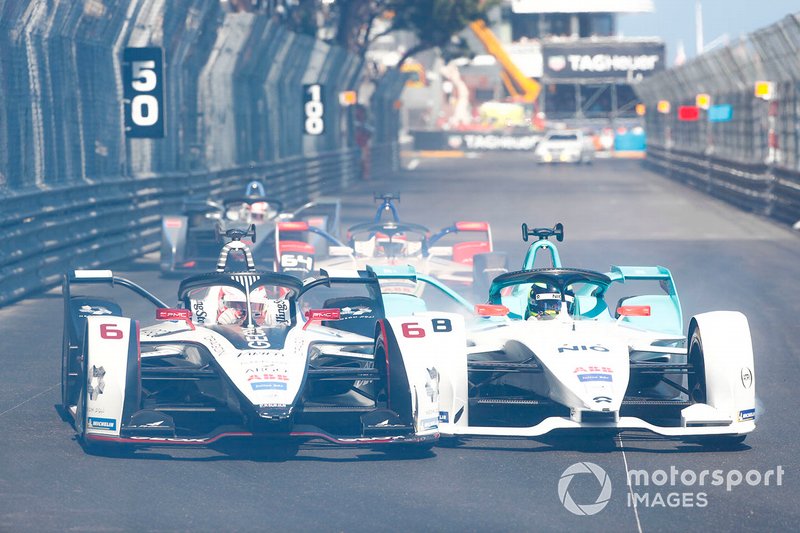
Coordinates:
column 519, row 86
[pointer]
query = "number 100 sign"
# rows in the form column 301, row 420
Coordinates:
column 313, row 109
column 143, row 81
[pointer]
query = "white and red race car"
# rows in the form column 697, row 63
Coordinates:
column 248, row 354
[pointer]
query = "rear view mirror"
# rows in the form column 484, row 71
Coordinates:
column 634, row 310
column 491, row 310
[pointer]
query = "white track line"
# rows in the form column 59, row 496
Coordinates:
column 413, row 164
column 31, row 398
column 630, row 489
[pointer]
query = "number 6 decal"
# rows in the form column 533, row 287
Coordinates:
column 110, row 331
column 412, row 330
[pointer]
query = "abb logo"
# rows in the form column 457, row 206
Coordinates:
column 605, row 369
column 268, row 377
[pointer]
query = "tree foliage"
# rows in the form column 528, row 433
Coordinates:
column 435, row 23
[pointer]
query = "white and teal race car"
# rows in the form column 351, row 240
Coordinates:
column 547, row 353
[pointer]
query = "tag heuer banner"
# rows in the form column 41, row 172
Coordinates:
column 622, row 60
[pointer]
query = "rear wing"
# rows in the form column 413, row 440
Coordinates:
column 665, row 309
column 323, row 213
column 94, row 277
column 465, row 250
column 298, row 245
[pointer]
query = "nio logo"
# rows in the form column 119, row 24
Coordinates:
column 575, row 348
column 587, row 509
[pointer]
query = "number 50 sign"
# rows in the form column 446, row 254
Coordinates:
column 143, row 80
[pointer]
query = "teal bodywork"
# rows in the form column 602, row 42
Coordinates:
column 545, row 247
column 665, row 309
column 397, row 304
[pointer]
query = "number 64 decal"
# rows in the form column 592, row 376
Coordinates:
column 412, row 330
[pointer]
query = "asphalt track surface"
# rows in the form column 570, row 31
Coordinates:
column 614, row 213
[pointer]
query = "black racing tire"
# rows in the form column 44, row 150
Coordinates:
column 65, row 385
column 698, row 391
column 486, row 267
column 697, row 377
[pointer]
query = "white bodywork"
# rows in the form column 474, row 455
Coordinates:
column 586, row 366
column 265, row 376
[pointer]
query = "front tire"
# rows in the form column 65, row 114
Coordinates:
column 697, row 378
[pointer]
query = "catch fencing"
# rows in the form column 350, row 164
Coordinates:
column 76, row 192
column 744, row 148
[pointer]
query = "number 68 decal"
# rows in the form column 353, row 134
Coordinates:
column 412, row 330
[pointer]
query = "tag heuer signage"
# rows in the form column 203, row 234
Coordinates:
column 602, row 60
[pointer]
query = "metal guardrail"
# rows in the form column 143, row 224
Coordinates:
column 756, row 129
column 76, row 192
column 760, row 188
column 751, row 157
column 46, row 233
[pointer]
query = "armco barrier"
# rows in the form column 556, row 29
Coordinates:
column 758, row 188
column 750, row 155
column 46, row 233
column 75, row 191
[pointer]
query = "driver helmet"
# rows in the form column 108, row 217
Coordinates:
column 255, row 189
column 233, row 306
column 258, row 211
column 544, row 302
column 396, row 246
